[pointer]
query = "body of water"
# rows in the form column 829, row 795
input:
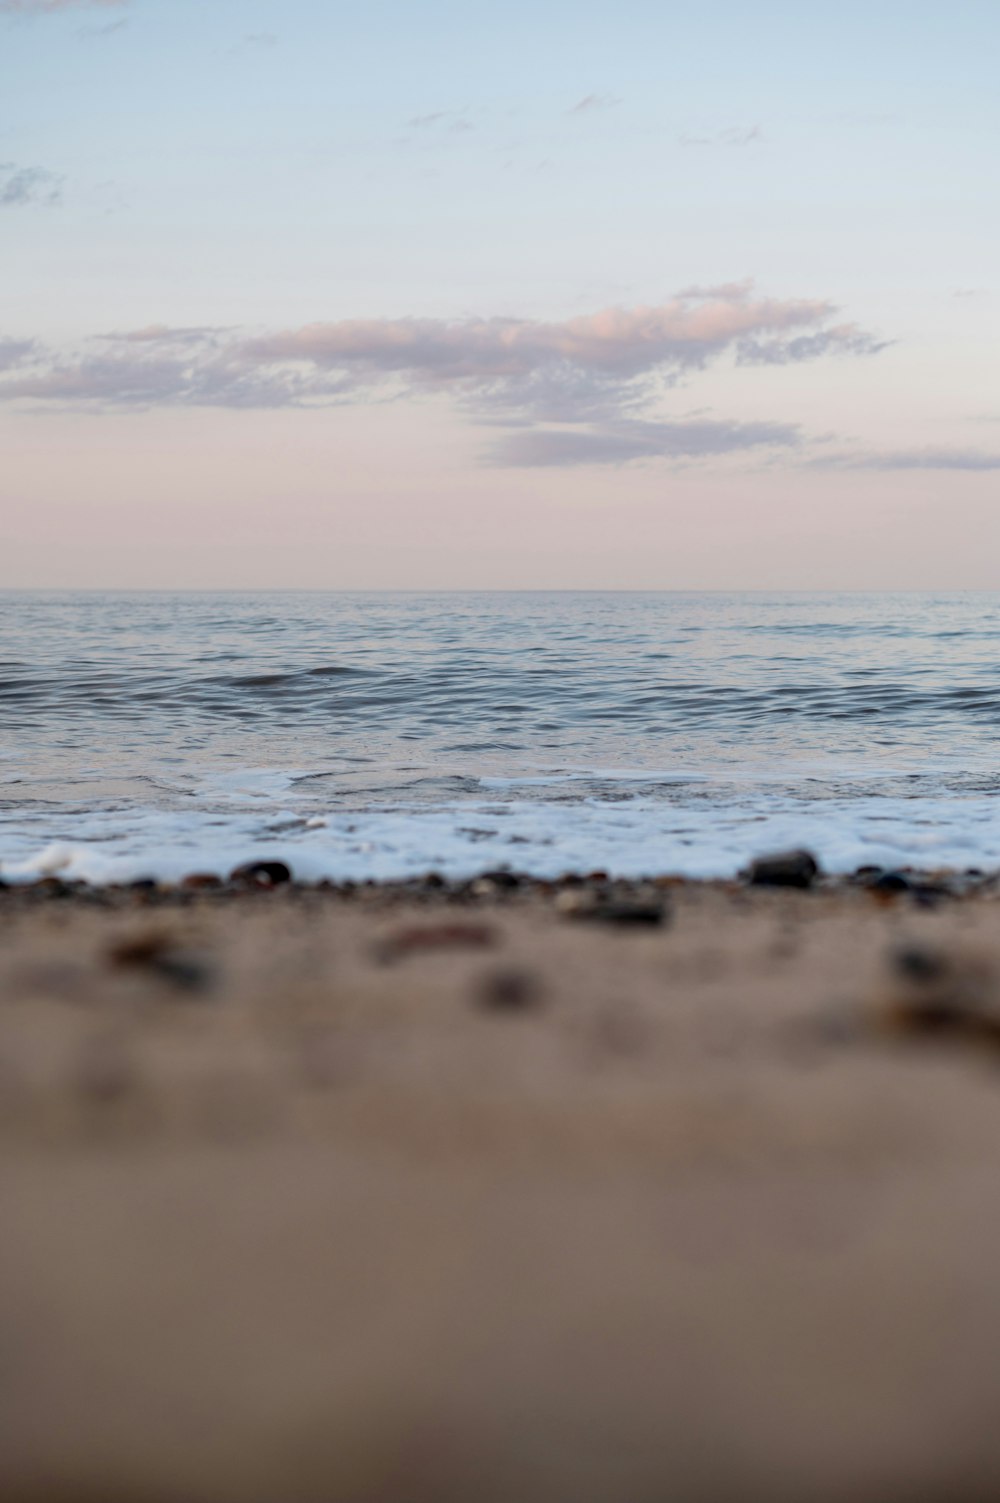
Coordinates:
column 382, row 735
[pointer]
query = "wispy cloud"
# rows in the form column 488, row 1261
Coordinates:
column 97, row 33
column 591, row 102
column 583, row 389
column 450, row 122
column 911, row 459
column 625, row 441
column 165, row 334
column 166, row 376
column 734, row 135
column 14, row 352
column 48, row 7
column 840, row 339
column 28, row 185
column 252, row 41
column 685, row 333
column 422, row 122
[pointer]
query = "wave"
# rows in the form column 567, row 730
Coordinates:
column 635, row 837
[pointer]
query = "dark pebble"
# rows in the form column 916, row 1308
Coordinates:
column 508, row 991
column 919, row 963
column 261, row 873
column 630, row 913
column 891, row 882
column 624, row 911
column 157, row 953
column 140, row 949
column 784, row 869
column 435, row 937
column 186, row 971
column 941, row 995
column 197, row 881
column 929, row 895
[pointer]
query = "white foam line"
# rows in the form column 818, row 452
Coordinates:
column 640, row 837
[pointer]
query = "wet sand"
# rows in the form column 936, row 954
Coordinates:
column 499, row 1193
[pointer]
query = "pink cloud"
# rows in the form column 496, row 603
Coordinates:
column 687, row 331
column 599, row 377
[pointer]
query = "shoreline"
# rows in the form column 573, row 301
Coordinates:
column 268, row 872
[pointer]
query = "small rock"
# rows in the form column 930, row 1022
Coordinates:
column 508, row 991
column 199, row 881
column 435, row 937
column 630, row 912
column 784, row 869
column 920, row 964
column 924, row 892
column 185, row 970
column 575, row 902
column 261, row 873
column 891, row 881
column 627, row 911
column 158, row 953
column 937, row 993
column 140, row 949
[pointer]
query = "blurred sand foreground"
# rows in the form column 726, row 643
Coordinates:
column 381, row 1198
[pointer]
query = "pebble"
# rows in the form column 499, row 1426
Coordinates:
column 159, row 953
column 53, row 887
column 585, row 904
column 435, row 937
column 508, row 990
column 936, row 993
column 890, row 882
column 925, row 892
column 784, row 869
column 261, row 873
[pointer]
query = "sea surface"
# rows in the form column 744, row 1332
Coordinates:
column 384, row 735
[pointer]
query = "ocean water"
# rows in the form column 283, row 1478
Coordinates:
column 384, row 735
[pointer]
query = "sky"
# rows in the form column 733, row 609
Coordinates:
column 461, row 295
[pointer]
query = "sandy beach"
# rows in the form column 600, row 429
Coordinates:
column 499, row 753
column 569, row 1192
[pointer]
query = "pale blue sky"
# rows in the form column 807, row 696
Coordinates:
column 264, row 166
